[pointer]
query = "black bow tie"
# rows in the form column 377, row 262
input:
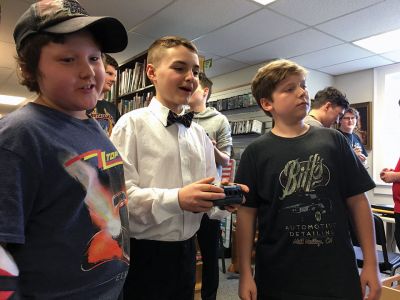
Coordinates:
column 185, row 119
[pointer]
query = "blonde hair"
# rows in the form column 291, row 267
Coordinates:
column 269, row 76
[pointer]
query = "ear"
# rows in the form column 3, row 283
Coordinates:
column 327, row 105
column 206, row 90
column 151, row 72
column 266, row 105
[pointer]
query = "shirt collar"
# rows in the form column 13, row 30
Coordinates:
column 159, row 110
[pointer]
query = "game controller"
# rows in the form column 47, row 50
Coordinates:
column 233, row 195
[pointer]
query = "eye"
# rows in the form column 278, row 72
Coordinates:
column 67, row 59
column 196, row 73
column 95, row 58
column 179, row 69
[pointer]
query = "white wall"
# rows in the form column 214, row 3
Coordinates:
column 315, row 80
column 359, row 87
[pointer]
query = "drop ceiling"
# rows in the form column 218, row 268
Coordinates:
column 237, row 33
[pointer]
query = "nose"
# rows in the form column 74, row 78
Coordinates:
column 190, row 75
column 302, row 91
column 86, row 70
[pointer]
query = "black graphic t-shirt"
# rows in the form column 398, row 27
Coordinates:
column 63, row 211
column 106, row 113
column 299, row 186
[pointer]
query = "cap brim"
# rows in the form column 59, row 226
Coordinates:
column 108, row 31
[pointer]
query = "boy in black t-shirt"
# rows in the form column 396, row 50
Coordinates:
column 63, row 205
column 106, row 112
column 304, row 182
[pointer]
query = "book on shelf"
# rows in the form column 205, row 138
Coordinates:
column 138, row 101
column 234, row 102
column 246, row 127
column 132, row 79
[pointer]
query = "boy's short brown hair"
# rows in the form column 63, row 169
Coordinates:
column 205, row 82
column 269, row 76
column 156, row 49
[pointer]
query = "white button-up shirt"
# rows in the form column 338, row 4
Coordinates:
column 158, row 160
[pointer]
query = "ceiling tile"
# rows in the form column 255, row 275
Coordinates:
column 223, row 66
column 128, row 12
column 365, row 23
column 298, row 43
column 136, row 45
column 394, row 55
column 312, row 12
column 247, row 32
column 193, row 18
column 331, row 56
column 356, row 65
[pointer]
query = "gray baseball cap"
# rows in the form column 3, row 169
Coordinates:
column 68, row 16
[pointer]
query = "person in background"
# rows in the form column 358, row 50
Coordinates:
column 328, row 105
column 63, row 212
column 304, row 182
column 170, row 169
column 218, row 130
column 393, row 176
column 106, row 112
column 347, row 124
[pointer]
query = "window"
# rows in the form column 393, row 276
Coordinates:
column 386, row 120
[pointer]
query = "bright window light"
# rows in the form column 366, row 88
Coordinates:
column 381, row 43
column 11, row 100
column 264, row 2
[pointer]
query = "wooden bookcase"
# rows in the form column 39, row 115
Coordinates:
column 134, row 89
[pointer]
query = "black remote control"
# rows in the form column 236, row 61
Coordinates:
column 233, row 195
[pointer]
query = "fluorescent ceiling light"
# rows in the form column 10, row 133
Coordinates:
column 264, row 2
column 381, row 43
column 11, row 100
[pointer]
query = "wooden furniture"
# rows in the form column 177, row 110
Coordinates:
column 391, row 288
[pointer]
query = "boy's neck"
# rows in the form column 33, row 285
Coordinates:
column 176, row 108
column 290, row 130
column 315, row 114
column 198, row 108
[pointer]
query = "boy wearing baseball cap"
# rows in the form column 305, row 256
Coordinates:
column 63, row 215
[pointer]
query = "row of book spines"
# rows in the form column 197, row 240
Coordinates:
column 246, row 126
column 138, row 101
column 238, row 101
column 131, row 79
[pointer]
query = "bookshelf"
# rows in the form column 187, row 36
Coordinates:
column 134, row 89
column 247, row 120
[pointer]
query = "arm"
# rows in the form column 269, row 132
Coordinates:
column 245, row 230
column 8, row 274
column 390, row 176
column 361, row 215
column 222, row 158
column 223, row 143
column 153, row 205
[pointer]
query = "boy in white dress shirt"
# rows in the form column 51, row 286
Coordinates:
column 170, row 168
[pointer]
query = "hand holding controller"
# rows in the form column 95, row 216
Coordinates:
column 233, row 196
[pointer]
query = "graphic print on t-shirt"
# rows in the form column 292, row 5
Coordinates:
column 106, row 208
column 105, row 120
column 306, row 213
